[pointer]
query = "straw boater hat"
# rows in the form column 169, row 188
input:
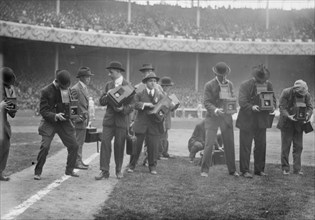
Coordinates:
column 146, row 67
column 115, row 65
column 300, row 87
column 149, row 76
column 166, row 81
column 84, row 71
column 261, row 73
column 221, row 69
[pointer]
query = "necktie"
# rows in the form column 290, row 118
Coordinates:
column 151, row 95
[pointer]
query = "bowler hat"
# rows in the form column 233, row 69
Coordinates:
column 166, row 81
column 115, row 65
column 261, row 73
column 221, row 69
column 84, row 71
column 146, row 67
column 149, row 76
column 8, row 76
column 63, row 77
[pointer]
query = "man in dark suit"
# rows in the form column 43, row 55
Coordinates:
column 145, row 126
column 291, row 127
column 216, row 117
column 115, row 124
column 81, row 122
column 7, row 107
column 54, row 121
column 253, row 122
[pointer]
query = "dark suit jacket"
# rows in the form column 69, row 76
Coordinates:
column 144, row 122
column 246, row 118
column 112, row 117
column 212, row 101
column 286, row 106
column 50, row 97
column 6, row 126
column 83, row 106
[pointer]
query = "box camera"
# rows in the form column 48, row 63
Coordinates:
column 229, row 106
column 264, row 98
column 69, row 105
column 300, row 111
column 160, row 109
column 120, row 94
column 11, row 99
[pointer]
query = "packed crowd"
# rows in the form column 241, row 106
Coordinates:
column 215, row 23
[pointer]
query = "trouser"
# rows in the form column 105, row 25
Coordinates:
column 246, row 139
column 67, row 136
column 152, row 142
column 164, row 144
column 195, row 148
column 289, row 136
column 228, row 142
column 4, row 152
column 106, row 147
column 80, row 136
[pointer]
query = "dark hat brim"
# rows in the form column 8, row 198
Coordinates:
column 214, row 69
column 153, row 77
column 84, row 74
column 146, row 68
column 264, row 78
column 167, row 84
column 117, row 68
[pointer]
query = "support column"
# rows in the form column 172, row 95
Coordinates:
column 197, row 72
column 129, row 11
column 56, row 58
column 57, row 6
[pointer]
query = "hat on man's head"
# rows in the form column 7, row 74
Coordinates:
column 84, row 71
column 221, row 69
column 166, row 81
column 300, row 87
column 150, row 76
column 261, row 73
column 7, row 76
column 146, row 67
column 63, row 77
column 115, row 65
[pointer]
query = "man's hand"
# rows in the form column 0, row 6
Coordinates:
column 119, row 109
column 3, row 104
column 60, row 117
column 219, row 111
column 148, row 104
column 291, row 117
column 308, row 116
column 255, row 108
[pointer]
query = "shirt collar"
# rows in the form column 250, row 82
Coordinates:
column 225, row 81
column 148, row 90
column 83, row 85
column 118, row 81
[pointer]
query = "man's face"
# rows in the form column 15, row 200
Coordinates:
column 151, row 83
column 63, row 87
column 221, row 78
column 166, row 88
column 114, row 74
column 86, row 80
column 260, row 81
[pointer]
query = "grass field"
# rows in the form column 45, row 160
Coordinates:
column 178, row 191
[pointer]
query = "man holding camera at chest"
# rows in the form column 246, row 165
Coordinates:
column 7, row 107
column 56, row 109
column 295, row 112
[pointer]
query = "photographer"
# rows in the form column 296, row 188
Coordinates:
column 291, row 125
column 55, row 119
column 7, row 106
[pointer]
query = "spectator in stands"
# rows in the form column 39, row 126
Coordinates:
column 217, row 117
column 253, row 121
column 55, row 121
column 7, row 107
column 196, row 142
column 80, row 123
column 292, row 126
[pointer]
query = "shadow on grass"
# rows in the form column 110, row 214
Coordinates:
column 178, row 192
column 24, row 150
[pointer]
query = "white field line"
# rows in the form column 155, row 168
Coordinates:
column 17, row 210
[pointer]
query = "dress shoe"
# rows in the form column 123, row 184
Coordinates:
column 153, row 172
column 119, row 175
column 130, row 170
column 247, row 175
column 261, row 174
column 71, row 173
column 37, row 177
column 103, row 174
column 299, row 173
column 163, row 158
column 4, row 178
column 285, row 172
column 81, row 167
column 204, row 174
column 234, row 174
column 86, row 165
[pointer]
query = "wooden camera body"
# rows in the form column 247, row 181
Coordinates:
column 300, row 109
column 120, row 94
column 161, row 108
column 11, row 97
column 229, row 104
column 264, row 98
column 69, row 105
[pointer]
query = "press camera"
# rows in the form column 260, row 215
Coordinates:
column 69, row 105
column 264, row 98
column 120, row 94
column 228, row 102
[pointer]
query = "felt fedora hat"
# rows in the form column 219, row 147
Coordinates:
column 261, row 73
column 115, row 65
column 221, row 69
column 84, row 71
column 166, row 81
column 147, row 67
column 150, row 76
